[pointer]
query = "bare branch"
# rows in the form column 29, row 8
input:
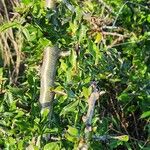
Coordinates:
column 91, row 103
column 48, row 71
column 121, row 38
column 88, row 118
column 112, row 33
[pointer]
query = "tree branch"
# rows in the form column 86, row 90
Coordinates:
column 88, row 118
column 48, row 71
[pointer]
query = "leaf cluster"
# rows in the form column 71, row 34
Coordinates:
column 108, row 43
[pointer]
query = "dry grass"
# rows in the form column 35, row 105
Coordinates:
column 11, row 41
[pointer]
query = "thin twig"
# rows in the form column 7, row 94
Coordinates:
column 121, row 38
column 113, row 34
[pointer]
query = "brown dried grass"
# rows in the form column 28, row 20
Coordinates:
column 11, row 41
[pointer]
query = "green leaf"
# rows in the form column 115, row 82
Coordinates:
column 115, row 80
column 48, row 130
column 44, row 42
column 82, row 33
column 68, row 75
column 52, row 146
column 148, row 18
column 123, row 138
column 12, row 141
column 73, row 27
column 86, row 92
column 26, row 33
column 97, row 53
column 63, row 65
column 123, row 97
column 8, row 97
column 20, row 114
column 89, row 5
column 20, row 144
column 131, row 108
column 32, row 147
column 70, row 138
column 72, row 131
column 8, row 25
column 98, row 37
column 146, row 114
column 72, row 134
column 69, row 108
column 27, row 2
column 73, row 61
column 45, row 113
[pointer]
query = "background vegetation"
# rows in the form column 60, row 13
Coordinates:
column 108, row 43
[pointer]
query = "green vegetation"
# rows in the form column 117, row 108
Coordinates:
column 109, row 61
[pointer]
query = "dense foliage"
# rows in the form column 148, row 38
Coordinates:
column 108, row 43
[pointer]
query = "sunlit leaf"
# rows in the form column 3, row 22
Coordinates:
column 20, row 114
column 73, row 27
column 146, row 114
column 123, row 97
column 45, row 113
column 12, row 141
column 48, row 130
column 86, row 92
column 70, row 138
column 97, row 53
column 52, row 146
column 123, row 138
column 72, row 131
column 9, row 25
column 82, row 33
column 89, row 5
column 26, row 33
column 63, row 65
column 148, row 18
column 98, row 37
column 26, row 1
column 73, row 61
column 69, row 108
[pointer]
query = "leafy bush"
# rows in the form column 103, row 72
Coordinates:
column 108, row 44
